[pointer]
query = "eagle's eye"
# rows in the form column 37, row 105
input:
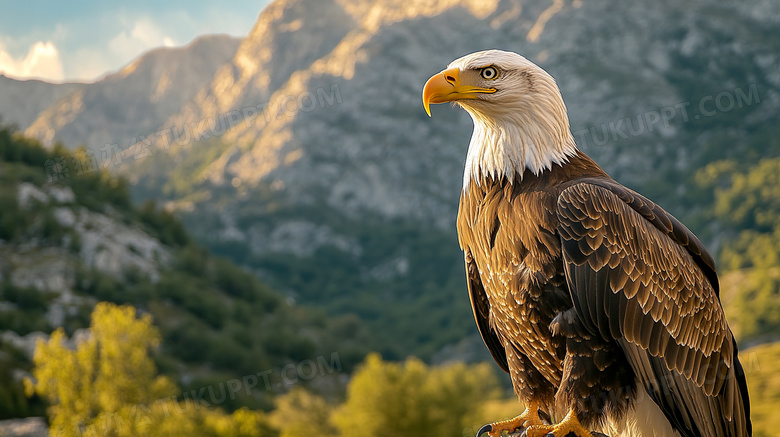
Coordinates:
column 489, row 73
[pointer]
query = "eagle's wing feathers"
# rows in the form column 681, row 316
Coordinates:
column 639, row 277
column 481, row 307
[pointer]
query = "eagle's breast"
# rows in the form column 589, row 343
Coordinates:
column 510, row 231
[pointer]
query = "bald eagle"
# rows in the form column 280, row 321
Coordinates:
column 601, row 306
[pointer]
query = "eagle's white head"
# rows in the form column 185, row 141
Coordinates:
column 520, row 120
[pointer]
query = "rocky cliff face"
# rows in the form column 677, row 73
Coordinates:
column 100, row 241
column 134, row 101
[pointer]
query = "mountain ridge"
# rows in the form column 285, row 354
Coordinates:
column 22, row 101
column 135, row 100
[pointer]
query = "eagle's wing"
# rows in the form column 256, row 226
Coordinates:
column 638, row 276
column 481, row 307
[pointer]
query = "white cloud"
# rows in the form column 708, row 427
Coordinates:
column 42, row 62
column 88, row 64
column 143, row 36
column 104, row 40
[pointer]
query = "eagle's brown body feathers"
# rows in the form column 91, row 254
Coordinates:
column 515, row 272
column 630, row 298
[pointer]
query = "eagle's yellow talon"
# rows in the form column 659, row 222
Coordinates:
column 569, row 425
column 529, row 417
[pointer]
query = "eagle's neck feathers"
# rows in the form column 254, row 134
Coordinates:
column 505, row 150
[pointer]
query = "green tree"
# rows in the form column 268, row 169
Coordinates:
column 752, row 198
column 301, row 413
column 412, row 399
column 104, row 373
column 757, row 310
column 108, row 386
column 747, row 205
column 163, row 420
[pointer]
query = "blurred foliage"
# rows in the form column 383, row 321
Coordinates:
column 170, row 231
column 490, row 411
column 748, row 199
column 747, row 207
column 399, row 399
column 762, row 370
column 300, row 413
column 106, row 372
column 13, row 400
column 107, row 385
column 29, row 311
column 178, row 176
column 387, row 399
column 756, row 308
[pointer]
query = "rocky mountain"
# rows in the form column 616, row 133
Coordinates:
column 134, row 101
column 21, row 101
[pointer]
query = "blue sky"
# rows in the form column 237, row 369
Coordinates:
column 82, row 40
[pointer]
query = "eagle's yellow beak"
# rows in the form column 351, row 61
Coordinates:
column 446, row 87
